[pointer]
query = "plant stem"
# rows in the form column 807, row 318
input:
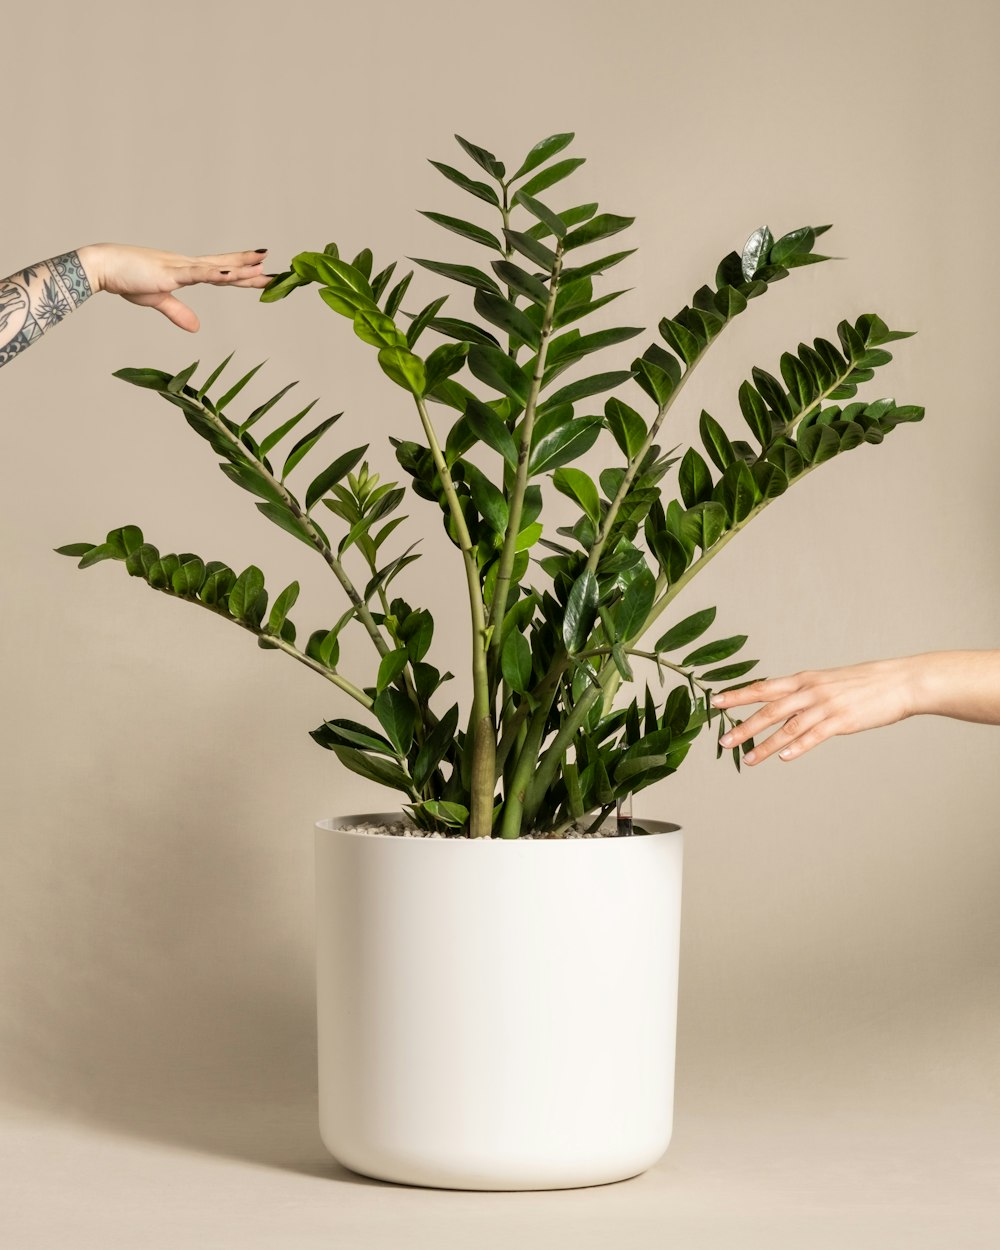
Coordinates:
column 481, row 726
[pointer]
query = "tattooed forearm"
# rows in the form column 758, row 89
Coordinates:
column 38, row 298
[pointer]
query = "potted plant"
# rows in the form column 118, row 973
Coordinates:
column 505, row 1018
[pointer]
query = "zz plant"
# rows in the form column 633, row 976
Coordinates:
column 543, row 745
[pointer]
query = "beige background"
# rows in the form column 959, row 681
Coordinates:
column 838, row 1077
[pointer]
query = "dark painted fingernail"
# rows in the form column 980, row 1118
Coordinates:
column 260, row 249
column 223, row 271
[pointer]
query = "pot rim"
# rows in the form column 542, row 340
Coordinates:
column 334, row 824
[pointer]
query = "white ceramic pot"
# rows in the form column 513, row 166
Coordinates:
column 496, row 1014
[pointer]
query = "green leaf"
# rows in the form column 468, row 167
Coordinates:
column 281, row 285
column 497, row 369
column 631, row 613
column 600, row 227
column 515, row 662
column 818, row 443
column 374, row 768
column 390, row 668
column 307, row 443
column 736, row 490
column 712, row 652
column 153, row 379
column 468, row 275
column 454, row 815
column 530, row 247
column 255, row 482
column 397, row 716
column 573, row 346
column 189, row 578
column 730, row 672
column 521, row 281
column 282, row 606
column 716, row 441
column 479, row 189
column 244, row 594
column 404, row 368
column 235, row 390
column 464, row 331
column 214, row 376
column 485, row 160
column 553, row 174
column 275, row 437
column 708, row 522
column 180, row 380
column 580, row 487
column 792, row 244
column 374, row 327
column 597, row 267
column 542, row 152
column 686, row 344
column 435, row 747
column 489, row 501
column 552, row 220
column 556, row 441
column 74, row 549
column 755, row 412
column 581, row 611
column 694, row 479
column 755, row 251
column 423, row 319
column 286, row 520
column 395, row 296
column 583, row 388
column 627, row 427
column 488, row 427
column 571, row 217
column 501, row 312
column 332, row 474
column 466, row 229
column 265, row 408
column 686, row 631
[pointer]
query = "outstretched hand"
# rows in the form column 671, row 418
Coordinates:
column 148, row 277
column 814, row 706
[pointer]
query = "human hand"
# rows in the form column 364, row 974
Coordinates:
column 815, row 706
column 148, row 277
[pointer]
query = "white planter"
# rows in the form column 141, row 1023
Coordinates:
column 496, row 1014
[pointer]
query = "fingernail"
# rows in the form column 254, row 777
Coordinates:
column 787, row 753
column 750, row 757
column 223, row 271
column 260, row 249
column 726, row 740
column 718, row 700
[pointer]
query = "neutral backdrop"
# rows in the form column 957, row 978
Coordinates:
column 838, row 1072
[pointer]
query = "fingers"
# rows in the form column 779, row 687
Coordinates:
column 759, row 691
column 228, row 269
column 258, row 282
column 800, row 733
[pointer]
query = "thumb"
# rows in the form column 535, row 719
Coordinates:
column 172, row 308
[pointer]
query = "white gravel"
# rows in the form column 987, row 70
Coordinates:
column 403, row 829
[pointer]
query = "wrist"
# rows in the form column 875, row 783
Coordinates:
column 92, row 257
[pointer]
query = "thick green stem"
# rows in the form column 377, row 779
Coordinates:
column 481, row 726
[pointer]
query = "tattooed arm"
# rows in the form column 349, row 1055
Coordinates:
column 39, row 297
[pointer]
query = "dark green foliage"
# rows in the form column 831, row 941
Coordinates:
column 516, row 392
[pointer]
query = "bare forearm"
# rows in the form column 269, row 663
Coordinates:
column 39, row 297
column 961, row 684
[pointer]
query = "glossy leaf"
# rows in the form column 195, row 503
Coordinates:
column 581, row 612
column 542, row 152
column 468, row 275
column 508, row 317
column 549, row 176
column 580, row 487
column 712, row 652
column 694, row 479
column 332, row 474
column 716, row 441
column 307, row 443
column 515, row 662
column 627, row 427
column 498, row 370
column 481, row 190
column 466, row 229
column 686, row 631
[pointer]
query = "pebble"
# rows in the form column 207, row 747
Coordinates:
column 402, row 829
